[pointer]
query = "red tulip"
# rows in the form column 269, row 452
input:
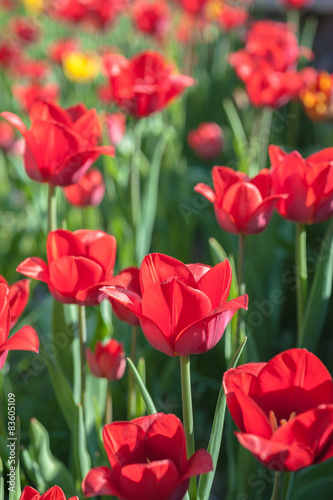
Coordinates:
column 148, row 461
column 88, row 191
column 308, row 184
column 283, row 409
column 7, row 136
column 108, row 360
column 152, row 17
column 18, row 298
column 8, row 54
column 182, row 309
column 61, row 144
column 97, row 13
column 28, row 94
column 296, row 4
column 54, row 493
column 144, row 84
column 207, row 140
column 24, row 29
column 241, row 205
column 58, row 49
column 79, row 263
column 193, row 7
column 231, row 18
column 26, row 67
column 129, row 279
column 24, row 339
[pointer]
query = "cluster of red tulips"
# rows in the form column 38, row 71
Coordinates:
column 282, row 408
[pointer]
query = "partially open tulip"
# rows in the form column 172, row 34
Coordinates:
column 148, row 461
column 108, row 360
column 308, row 184
column 144, row 84
column 78, row 264
column 283, row 409
column 241, row 205
column 88, row 191
column 128, row 279
column 61, row 144
column 25, row 339
column 18, row 298
column 182, row 309
column 207, row 140
column 54, row 493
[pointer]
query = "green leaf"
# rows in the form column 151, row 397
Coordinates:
column 16, row 492
column 217, row 251
column 320, row 293
column 142, row 388
column 53, row 471
column 82, row 460
column 32, row 471
column 61, row 387
column 2, row 483
column 239, row 136
column 140, row 404
column 214, row 445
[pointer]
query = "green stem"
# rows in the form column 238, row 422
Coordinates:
column 135, row 176
column 277, row 488
column 241, row 284
column 131, row 402
column 264, row 136
column 52, row 209
column 301, row 275
column 185, row 374
column 83, row 340
column 293, row 17
column 287, row 485
column 108, row 405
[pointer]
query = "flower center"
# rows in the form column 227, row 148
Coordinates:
column 283, row 421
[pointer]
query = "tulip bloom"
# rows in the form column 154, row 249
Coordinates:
column 206, row 141
column 79, row 263
column 18, row 298
column 144, row 84
column 308, row 184
column 296, row 4
column 129, row 279
column 115, row 127
column 148, row 461
column 88, row 191
column 152, row 17
column 182, row 309
column 108, row 360
column 61, row 144
column 28, row 94
column 241, row 205
column 54, row 493
column 7, row 136
column 283, row 409
column 61, row 47
column 25, row 339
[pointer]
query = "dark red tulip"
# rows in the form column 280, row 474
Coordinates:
column 61, row 144
column 241, row 205
column 24, row 29
column 148, row 461
column 128, row 279
column 207, row 140
column 144, row 84
column 283, row 409
column 78, row 264
column 18, row 298
column 108, row 360
column 88, row 191
column 25, row 339
column 96, row 13
column 54, row 493
column 183, row 309
column 308, row 184
column 152, row 18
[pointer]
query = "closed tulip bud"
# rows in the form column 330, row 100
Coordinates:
column 108, row 360
column 207, row 141
column 88, row 191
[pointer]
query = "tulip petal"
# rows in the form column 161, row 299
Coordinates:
column 276, row 155
column 199, row 463
column 223, row 178
column 146, row 421
column 216, row 283
column 226, row 220
column 62, row 243
column 157, row 267
column 206, row 191
column 71, row 275
column 156, row 337
column 128, row 299
column 149, row 481
column 49, row 111
column 259, row 220
column 4, row 313
column 98, row 481
column 263, row 182
column 15, row 121
column 165, row 439
column 293, row 381
column 241, row 200
column 29, row 493
column 25, row 339
column 34, row 267
column 100, row 247
column 18, row 299
column 123, row 442
column 54, row 493
column 274, row 455
column 3, row 357
column 323, row 156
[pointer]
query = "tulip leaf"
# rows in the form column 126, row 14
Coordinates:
column 240, row 140
column 82, row 460
column 2, row 483
column 61, row 387
column 142, row 388
column 52, row 470
column 217, row 251
column 206, row 480
column 140, row 404
column 320, row 293
column 16, row 493
column 32, row 470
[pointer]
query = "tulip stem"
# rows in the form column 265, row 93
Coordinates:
column 83, row 340
column 301, row 275
column 277, row 488
column 135, row 176
column 185, row 374
column 131, row 403
column 52, row 209
column 287, row 485
column 241, row 284
column 108, row 406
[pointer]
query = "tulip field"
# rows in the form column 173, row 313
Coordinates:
column 166, row 251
